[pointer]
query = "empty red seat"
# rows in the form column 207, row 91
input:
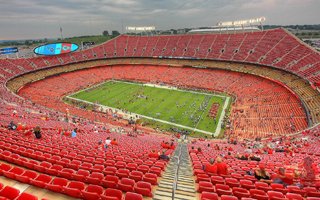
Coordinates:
column 111, row 194
column 4, row 167
column 110, row 181
column 143, row 188
column 217, row 180
column 209, row 196
column 150, row 178
column 13, row 172
column 67, row 173
column 26, row 196
column 41, row 180
column 247, row 184
column 203, row 177
column 92, row 192
column 57, row 184
column 223, row 189
column 126, row 185
column 296, row 190
column 143, row 168
column 136, row 175
column 240, row 192
column 110, row 170
column 133, row 196
column 293, row 196
column 278, row 187
column 123, row 173
column 274, row 195
column 43, row 166
column 232, row 182
column 228, row 197
column 259, row 194
column 26, row 176
column 205, row 186
column 9, row 192
column 120, row 164
column 262, row 186
column 95, row 178
column 74, row 189
column 55, row 170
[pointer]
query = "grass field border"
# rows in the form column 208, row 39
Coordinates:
column 218, row 127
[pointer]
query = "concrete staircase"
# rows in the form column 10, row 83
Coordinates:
column 184, row 182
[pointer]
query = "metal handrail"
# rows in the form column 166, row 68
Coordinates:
column 176, row 175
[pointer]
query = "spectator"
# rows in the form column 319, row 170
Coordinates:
column 74, row 133
column 222, row 167
column 107, row 143
column 37, row 132
column 163, row 156
column 153, row 154
column 261, row 174
column 283, row 178
column 114, row 142
column 210, row 167
column 12, row 126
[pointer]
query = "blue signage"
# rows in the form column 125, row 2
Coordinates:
column 55, row 48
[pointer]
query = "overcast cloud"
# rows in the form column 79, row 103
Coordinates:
column 24, row 19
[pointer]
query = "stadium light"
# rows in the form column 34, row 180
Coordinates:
column 140, row 28
column 243, row 22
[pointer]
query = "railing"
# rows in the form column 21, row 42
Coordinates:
column 176, row 174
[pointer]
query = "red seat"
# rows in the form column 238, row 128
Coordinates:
column 296, row 190
column 209, row 196
column 110, row 181
column 110, row 170
column 150, row 178
column 217, row 180
column 247, row 184
column 293, row 196
column 278, row 187
column 132, row 166
column 143, row 188
column 223, row 189
column 13, row 172
column 232, row 182
column 92, row 192
column 228, row 197
column 26, row 176
column 205, row 186
column 274, row 195
column 67, row 173
column 123, row 173
column 4, row 167
column 41, row 180
column 95, row 178
column 136, row 175
column 54, row 170
column 133, row 196
column 155, row 170
column 203, row 177
column 26, row 196
column 259, row 194
column 111, row 194
column 57, row 184
column 74, row 189
column 143, row 168
column 262, row 186
column 9, row 192
column 126, row 185
column 240, row 192
column 120, row 164
column 81, row 175
column 43, row 166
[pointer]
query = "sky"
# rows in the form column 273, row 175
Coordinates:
column 38, row 19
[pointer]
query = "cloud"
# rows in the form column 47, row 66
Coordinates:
column 39, row 18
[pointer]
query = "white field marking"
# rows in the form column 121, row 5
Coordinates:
column 218, row 128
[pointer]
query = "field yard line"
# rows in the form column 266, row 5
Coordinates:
column 223, row 113
column 143, row 116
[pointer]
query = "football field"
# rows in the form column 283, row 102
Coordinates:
column 190, row 109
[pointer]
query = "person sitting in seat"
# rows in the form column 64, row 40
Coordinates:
column 222, row 167
column 37, row 132
column 12, row 126
column 163, row 156
column 153, row 154
column 114, row 142
column 210, row 167
column 261, row 174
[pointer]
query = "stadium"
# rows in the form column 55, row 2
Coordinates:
column 203, row 115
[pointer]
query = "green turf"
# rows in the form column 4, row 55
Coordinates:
column 165, row 104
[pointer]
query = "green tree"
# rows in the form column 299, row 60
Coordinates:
column 115, row 33
column 105, row 33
